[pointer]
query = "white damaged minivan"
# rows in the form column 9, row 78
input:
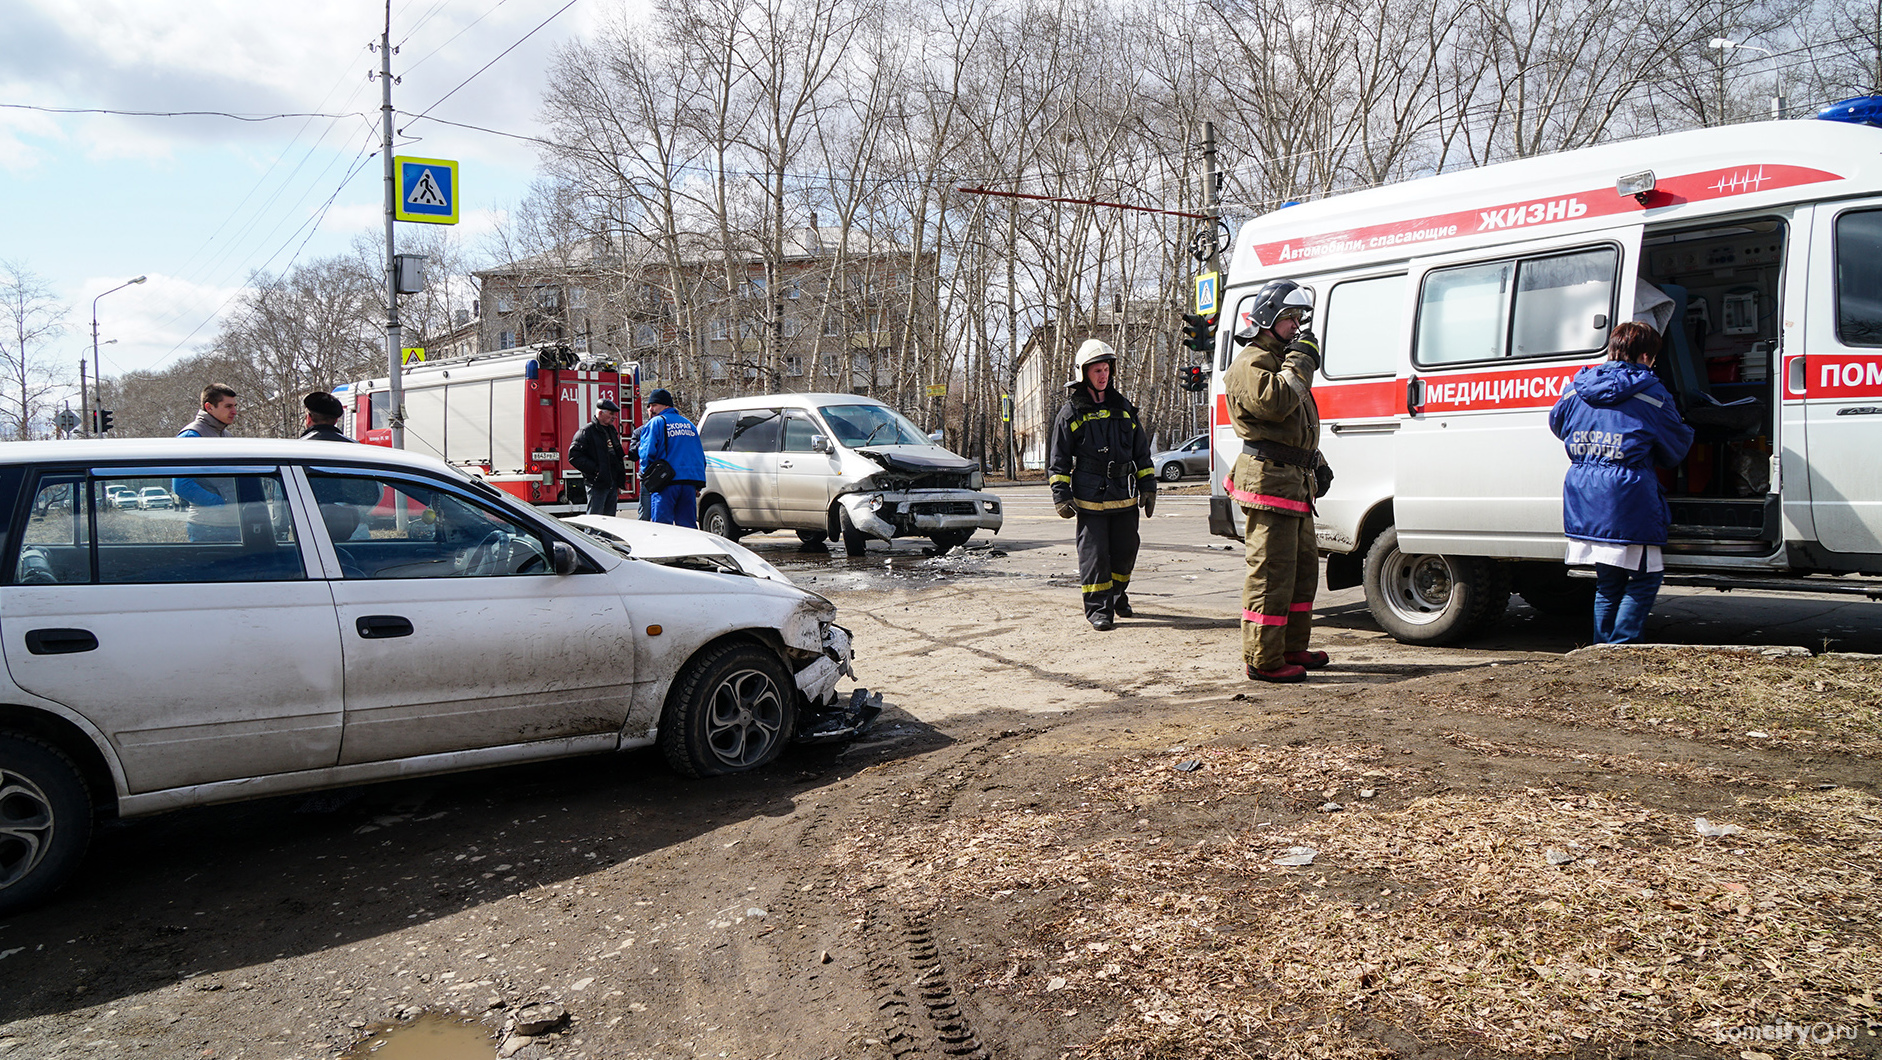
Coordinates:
column 835, row 465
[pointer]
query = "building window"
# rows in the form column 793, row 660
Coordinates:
column 715, row 369
column 646, row 335
column 504, row 303
column 720, row 329
column 793, row 365
column 755, row 286
column 580, row 345
column 578, row 298
column 832, row 324
column 548, row 297
column 793, row 290
column 792, row 326
column 828, row 366
column 505, row 339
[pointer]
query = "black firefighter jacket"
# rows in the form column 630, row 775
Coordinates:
column 595, row 451
column 1100, row 453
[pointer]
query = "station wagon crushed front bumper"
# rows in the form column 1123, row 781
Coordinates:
column 888, row 514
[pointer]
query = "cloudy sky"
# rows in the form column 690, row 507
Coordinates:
column 89, row 201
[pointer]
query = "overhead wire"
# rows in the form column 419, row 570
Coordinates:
column 516, row 44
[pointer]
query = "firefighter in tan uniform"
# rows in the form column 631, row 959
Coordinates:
column 1275, row 479
column 1100, row 473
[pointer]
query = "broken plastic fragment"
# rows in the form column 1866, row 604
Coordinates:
column 1190, row 766
column 1297, row 856
column 1558, row 857
column 1707, row 828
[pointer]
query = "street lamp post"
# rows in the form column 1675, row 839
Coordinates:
column 98, row 390
column 1723, row 46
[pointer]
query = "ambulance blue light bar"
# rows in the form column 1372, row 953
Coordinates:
column 1859, row 110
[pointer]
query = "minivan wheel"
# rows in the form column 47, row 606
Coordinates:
column 1172, row 472
column 732, row 710
column 1431, row 599
column 854, row 540
column 45, row 821
column 717, row 519
column 813, row 538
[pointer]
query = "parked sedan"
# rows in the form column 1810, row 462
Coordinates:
column 155, row 497
column 121, row 496
column 334, row 618
column 1190, row 458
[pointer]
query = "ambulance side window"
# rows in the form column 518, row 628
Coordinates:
column 1360, row 328
column 1859, row 278
column 1545, row 306
column 1462, row 315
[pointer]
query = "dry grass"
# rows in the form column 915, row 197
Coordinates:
column 1443, row 920
column 1826, row 703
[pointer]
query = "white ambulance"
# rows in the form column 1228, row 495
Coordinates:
column 1453, row 309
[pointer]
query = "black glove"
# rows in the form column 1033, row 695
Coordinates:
column 1065, row 509
column 1147, row 500
column 1322, row 480
column 1308, row 346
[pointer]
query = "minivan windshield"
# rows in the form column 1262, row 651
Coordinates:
column 857, row 426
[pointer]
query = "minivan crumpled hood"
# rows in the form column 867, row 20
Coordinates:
column 679, row 545
column 918, row 459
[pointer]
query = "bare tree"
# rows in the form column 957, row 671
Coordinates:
column 33, row 319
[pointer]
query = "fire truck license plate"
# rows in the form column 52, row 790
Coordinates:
column 545, row 455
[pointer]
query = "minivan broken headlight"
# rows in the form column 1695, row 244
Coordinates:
column 977, row 480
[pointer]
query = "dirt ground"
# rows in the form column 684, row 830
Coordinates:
column 1055, row 843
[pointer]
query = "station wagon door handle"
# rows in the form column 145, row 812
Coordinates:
column 1414, row 395
column 786, row 463
column 381, row 627
column 60, row 641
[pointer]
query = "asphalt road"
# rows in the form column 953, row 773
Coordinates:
column 1184, row 566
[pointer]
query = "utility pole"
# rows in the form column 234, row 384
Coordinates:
column 82, row 404
column 393, row 340
column 1211, row 193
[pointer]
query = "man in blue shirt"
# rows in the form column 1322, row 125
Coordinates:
column 669, row 448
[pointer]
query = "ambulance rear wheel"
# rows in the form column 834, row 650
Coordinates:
column 1431, row 599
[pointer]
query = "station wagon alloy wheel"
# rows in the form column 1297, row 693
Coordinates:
column 1431, row 599
column 747, row 712
column 45, row 820
column 732, row 710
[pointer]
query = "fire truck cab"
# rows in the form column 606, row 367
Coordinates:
column 1453, row 309
column 506, row 416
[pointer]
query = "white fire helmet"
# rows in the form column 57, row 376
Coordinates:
column 1093, row 351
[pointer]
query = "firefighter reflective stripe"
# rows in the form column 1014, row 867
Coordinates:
column 1301, row 605
column 1260, row 619
column 1098, row 414
column 1099, row 587
column 1056, row 479
column 1121, row 579
column 1142, row 471
column 1105, row 506
column 1244, row 497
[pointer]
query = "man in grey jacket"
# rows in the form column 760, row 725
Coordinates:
column 217, row 416
column 212, row 515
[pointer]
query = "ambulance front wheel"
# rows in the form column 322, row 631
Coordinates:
column 1431, row 599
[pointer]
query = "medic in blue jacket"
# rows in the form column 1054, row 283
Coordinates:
column 1618, row 423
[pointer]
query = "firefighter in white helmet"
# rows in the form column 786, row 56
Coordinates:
column 1100, row 473
column 1276, row 477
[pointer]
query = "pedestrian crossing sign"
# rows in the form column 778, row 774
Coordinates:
column 411, row 355
column 427, row 189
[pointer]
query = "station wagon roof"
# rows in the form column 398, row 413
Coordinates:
column 218, row 450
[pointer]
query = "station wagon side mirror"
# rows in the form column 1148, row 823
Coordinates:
column 819, row 444
column 567, row 560
column 935, row 437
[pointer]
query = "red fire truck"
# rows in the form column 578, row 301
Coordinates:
column 506, row 416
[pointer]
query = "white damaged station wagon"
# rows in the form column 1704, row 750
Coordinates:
column 314, row 615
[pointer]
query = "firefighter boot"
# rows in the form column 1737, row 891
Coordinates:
column 1307, row 660
column 1285, row 674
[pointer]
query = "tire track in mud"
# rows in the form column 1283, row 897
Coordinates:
column 920, row 1014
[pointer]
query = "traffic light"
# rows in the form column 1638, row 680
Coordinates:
column 1199, row 332
column 104, row 420
column 1193, row 378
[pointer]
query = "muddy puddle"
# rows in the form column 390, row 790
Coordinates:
column 906, row 567
column 432, row 1036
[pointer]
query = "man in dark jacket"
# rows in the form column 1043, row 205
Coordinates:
column 1100, row 473
column 323, row 417
column 595, row 451
column 1618, row 422
column 671, row 439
